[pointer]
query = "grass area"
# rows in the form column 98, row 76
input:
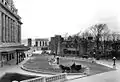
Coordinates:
column 40, row 63
column 9, row 77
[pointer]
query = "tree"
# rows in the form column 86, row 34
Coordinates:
column 97, row 31
column 105, row 37
column 76, row 42
column 85, row 36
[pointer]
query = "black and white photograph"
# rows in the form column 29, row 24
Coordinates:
column 59, row 40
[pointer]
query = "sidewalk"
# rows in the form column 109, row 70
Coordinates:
column 112, row 76
column 109, row 63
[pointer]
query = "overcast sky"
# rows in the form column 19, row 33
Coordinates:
column 45, row 18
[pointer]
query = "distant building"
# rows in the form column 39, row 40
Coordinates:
column 42, row 43
column 29, row 42
column 55, row 44
column 68, row 47
column 10, row 33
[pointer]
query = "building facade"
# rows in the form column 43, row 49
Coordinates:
column 42, row 43
column 55, row 44
column 29, row 42
column 69, row 46
column 10, row 33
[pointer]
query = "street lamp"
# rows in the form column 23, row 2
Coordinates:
column 114, row 58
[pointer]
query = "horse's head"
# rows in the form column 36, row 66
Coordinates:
column 61, row 66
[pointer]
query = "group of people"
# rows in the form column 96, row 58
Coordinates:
column 53, row 61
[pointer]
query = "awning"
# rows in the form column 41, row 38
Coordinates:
column 14, row 48
column 7, row 49
column 22, row 48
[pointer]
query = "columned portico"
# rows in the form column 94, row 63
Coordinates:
column 10, row 34
column 41, row 43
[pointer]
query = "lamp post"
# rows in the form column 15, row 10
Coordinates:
column 114, row 58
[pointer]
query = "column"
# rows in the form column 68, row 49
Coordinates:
column 1, row 64
column 47, row 43
column 15, row 32
column 1, row 27
column 16, row 37
column 19, row 33
column 6, row 29
column 43, row 43
column 16, row 56
column 12, row 30
column 9, row 30
column 40, row 43
column 20, row 57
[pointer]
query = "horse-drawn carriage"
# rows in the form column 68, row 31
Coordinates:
column 71, row 68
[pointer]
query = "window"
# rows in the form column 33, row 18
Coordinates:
column 5, row 3
column 2, row 0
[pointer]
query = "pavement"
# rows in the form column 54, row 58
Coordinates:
column 111, row 76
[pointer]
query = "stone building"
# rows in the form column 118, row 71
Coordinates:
column 55, row 44
column 10, row 33
column 68, row 47
column 29, row 42
column 42, row 43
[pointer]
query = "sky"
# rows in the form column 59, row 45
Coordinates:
column 45, row 18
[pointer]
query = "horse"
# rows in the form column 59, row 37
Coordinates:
column 64, row 68
column 75, row 67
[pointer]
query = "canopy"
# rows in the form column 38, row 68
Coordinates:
column 14, row 48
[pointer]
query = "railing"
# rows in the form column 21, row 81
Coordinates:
column 57, row 78
column 39, row 79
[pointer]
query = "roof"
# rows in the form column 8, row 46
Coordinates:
column 14, row 48
column 41, row 39
column 7, row 49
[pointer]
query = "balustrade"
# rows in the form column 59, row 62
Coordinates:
column 60, row 78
